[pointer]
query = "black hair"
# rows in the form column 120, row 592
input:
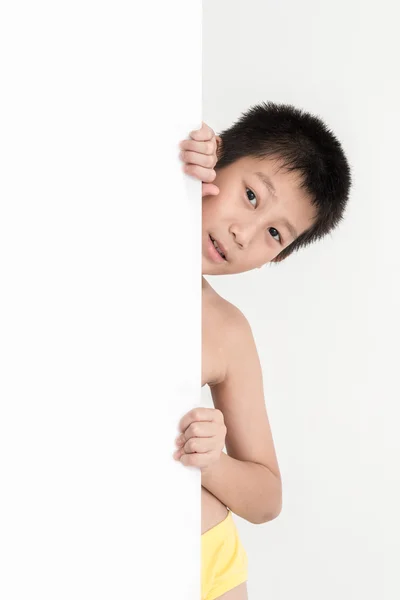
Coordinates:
column 302, row 143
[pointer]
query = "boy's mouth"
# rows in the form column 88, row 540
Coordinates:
column 218, row 247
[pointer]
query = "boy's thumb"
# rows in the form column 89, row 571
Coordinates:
column 209, row 189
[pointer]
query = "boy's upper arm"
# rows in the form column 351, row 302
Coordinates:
column 240, row 397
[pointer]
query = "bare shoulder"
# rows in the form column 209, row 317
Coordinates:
column 230, row 317
column 236, row 342
column 235, row 327
column 218, row 318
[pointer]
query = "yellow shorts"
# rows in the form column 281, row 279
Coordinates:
column 223, row 559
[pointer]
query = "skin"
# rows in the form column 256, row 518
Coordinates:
column 249, row 220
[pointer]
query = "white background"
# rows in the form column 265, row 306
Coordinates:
column 100, row 306
column 326, row 322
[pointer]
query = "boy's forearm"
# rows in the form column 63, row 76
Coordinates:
column 249, row 489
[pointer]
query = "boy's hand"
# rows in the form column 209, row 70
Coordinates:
column 200, row 155
column 203, row 437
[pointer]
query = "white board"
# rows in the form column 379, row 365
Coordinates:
column 100, row 306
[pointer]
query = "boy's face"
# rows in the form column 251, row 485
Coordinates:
column 252, row 221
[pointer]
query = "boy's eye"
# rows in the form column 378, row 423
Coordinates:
column 275, row 232
column 251, row 192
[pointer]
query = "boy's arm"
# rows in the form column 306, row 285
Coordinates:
column 246, row 479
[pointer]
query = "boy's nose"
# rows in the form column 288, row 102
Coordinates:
column 243, row 234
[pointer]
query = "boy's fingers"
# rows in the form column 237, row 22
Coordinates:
column 202, row 173
column 200, row 429
column 199, row 147
column 209, row 189
column 194, row 158
column 198, row 445
column 200, row 413
column 204, row 133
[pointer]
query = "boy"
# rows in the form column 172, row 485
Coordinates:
column 281, row 182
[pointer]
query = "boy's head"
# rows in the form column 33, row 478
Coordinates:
column 284, row 182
